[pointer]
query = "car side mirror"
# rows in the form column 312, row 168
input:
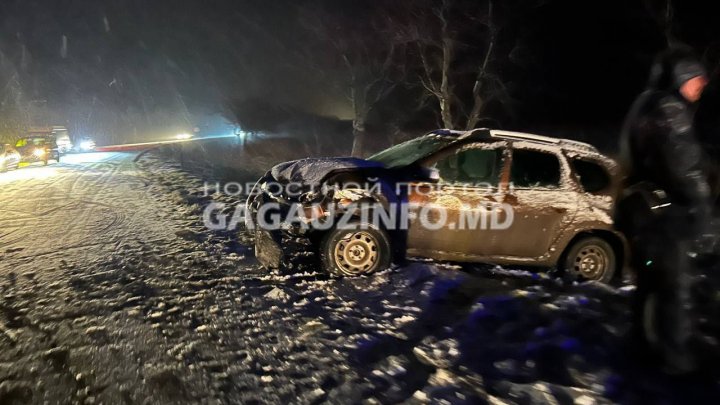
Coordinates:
column 421, row 173
column 433, row 174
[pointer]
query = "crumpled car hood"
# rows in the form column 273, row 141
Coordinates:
column 315, row 170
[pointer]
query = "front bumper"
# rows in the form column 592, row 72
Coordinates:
column 267, row 249
column 283, row 248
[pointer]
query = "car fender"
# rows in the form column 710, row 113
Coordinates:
column 614, row 237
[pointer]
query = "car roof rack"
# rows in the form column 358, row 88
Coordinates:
column 487, row 133
column 522, row 136
column 449, row 132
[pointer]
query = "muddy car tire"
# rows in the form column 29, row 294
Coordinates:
column 355, row 250
column 591, row 258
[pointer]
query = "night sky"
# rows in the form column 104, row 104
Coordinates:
column 128, row 68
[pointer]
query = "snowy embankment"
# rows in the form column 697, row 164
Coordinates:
column 432, row 332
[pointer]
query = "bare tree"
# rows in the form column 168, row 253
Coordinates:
column 366, row 59
column 370, row 82
column 436, row 71
column 438, row 29
column 483, row 74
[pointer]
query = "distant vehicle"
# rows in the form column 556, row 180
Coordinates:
column 86, row 145
column 59, row 134
column 561, row 194
column 37, row 149
column 64, row 143
column 9, row 158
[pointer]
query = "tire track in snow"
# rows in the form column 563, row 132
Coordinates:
column 77, row 204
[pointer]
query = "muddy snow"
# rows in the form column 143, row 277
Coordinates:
column 112, row 291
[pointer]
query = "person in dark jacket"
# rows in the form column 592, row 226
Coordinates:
column 666, row 205
column 707, row 126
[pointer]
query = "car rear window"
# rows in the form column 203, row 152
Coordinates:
column 534, row 169
column 593, row 177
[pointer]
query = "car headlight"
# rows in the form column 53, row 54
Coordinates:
column 87, row 145
column 39, row 152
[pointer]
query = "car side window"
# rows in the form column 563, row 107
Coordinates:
column 471, row 167
column 534, row 169
column 593, row 177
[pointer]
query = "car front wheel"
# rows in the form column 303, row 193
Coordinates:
column 591, row 258
column 355, row 250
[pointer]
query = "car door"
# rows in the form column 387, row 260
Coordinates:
column 455, row 215
column 543, row 202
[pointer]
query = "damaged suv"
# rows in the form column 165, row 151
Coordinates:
column 477, row 196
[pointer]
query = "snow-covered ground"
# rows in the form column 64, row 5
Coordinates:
column 112, row 291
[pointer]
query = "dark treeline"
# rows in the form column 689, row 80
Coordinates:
column 130, row 69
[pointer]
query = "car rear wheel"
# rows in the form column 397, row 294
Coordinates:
column 591, row 258
column 355, row 250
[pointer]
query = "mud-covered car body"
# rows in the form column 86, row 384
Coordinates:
column 559, row 191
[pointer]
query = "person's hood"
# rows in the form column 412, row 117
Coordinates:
column 312, row 171
column 673, row 68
